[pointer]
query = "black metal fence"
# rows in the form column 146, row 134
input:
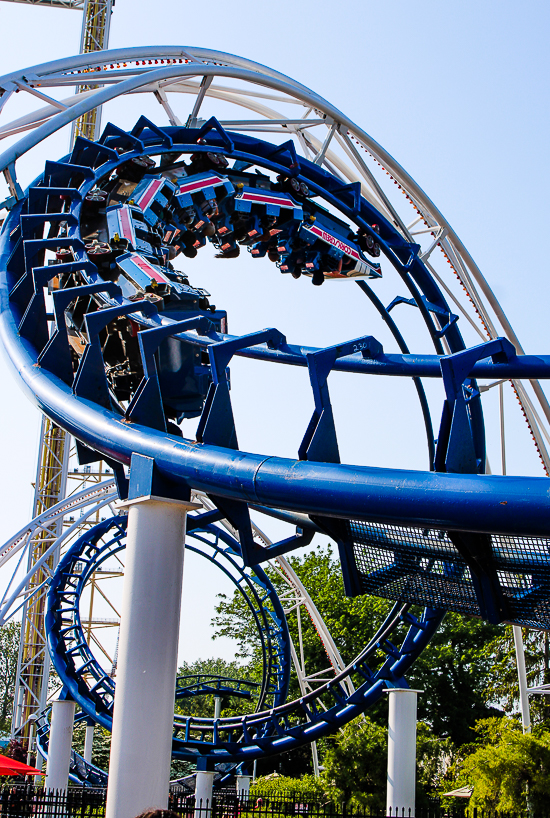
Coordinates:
column 23, row 801
column 298, row 805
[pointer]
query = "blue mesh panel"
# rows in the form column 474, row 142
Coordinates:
column 423, row 566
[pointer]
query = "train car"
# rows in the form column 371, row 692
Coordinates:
column 153, row 195
column 143, row 275
column 203, row 190
column 342, row 259
column 254, row 216
column 183, row 370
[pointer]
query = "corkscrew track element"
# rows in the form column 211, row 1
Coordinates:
column 92, row 687
column 281, row 725
column 102, row 364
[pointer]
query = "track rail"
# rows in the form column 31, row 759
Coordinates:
column 192, row 71
column 286, row 724
column 439, row 500
column 317, row 218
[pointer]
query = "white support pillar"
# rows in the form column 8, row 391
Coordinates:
column 59, row 745
column 204, row 780
column 401, row 789
column 217, row 707
column 30, row 744
column 522, row 679
column 139, row 769
column 315, row 757
column 243, row 787
column 88, row 743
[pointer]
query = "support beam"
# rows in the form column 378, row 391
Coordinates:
column 30, row 745
column 59, row 746
column 33, row 666
column 89, row 742
column 401, row 789
column 139, row 770
column 243, row 787
column 522, row 679
column 204, row 780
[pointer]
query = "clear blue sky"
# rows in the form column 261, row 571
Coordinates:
column 456, row 91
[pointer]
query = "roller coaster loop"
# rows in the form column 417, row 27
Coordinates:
column 114, row 344
column 380, row 665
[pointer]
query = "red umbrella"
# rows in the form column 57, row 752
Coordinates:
column 8, row 766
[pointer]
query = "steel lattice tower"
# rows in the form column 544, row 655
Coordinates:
column 34, row 662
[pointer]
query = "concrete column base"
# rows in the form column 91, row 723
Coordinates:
column 401, row 789
column 203, row 793
column 60, row 745
column 143, row 717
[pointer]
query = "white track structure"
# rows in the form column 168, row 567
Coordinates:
column 284, row 109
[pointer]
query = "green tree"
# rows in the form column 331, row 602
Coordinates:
column 350, row 621
column 9, row 651
column 503, row 683
column 355, row 765
column 455, row 672
column 203, row 705
column 307, row 787
column 101, row 748
column 508, row 770
column 434, row 759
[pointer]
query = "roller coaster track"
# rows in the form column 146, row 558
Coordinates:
column 88, row 502
column 380, row 664
column 100, row 363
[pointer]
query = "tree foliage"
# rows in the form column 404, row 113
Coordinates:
column 509, row 770
column 101, row 747
column 467, row 675
column 503, row 681
column 203, row 705
column 455, row 672
column 434, row 759
column 350, row 621
column 355, row 765
column 9, row 651
column 17, row 750
column 307, row 787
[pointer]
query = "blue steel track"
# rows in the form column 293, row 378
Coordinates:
column 450, row 501
column 316, row 490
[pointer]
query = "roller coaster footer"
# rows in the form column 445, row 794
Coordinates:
column 139, row 772
column 141, row 747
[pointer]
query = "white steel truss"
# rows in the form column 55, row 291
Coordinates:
column 56, row 4
column 42, row 557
